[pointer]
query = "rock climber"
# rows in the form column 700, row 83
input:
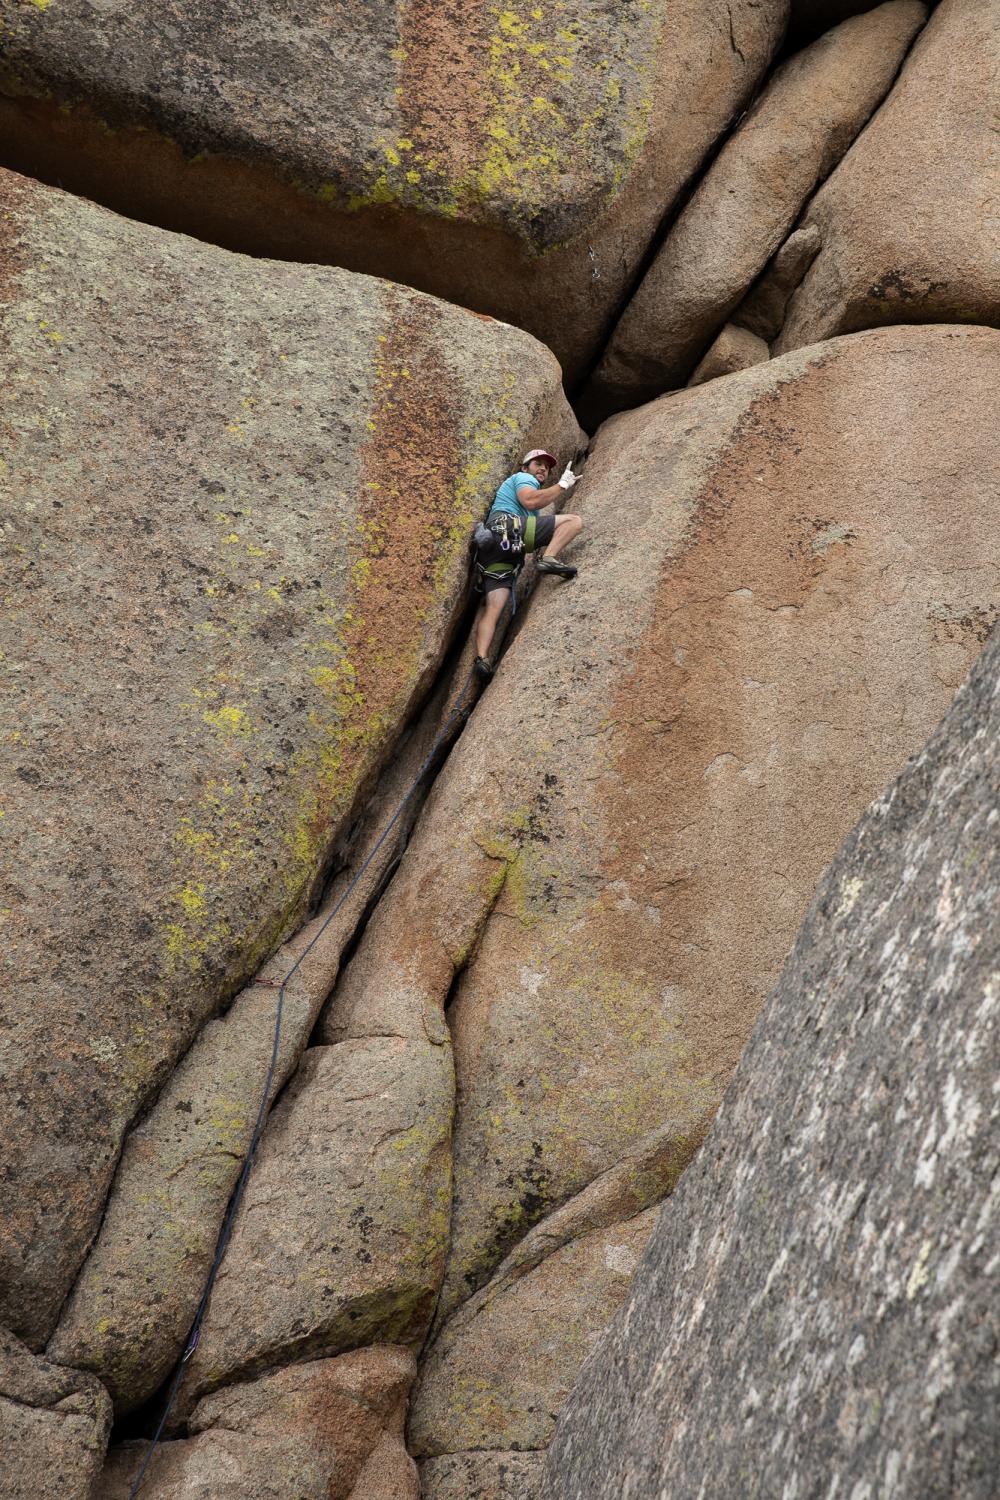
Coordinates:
column 512, row 528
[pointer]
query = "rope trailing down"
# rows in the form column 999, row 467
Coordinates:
column 234, row 1202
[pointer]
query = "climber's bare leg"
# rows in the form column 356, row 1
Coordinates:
column 493, row 607
column 567, row 529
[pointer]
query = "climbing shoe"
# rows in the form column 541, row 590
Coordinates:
column 482, row 669
column 553, row 565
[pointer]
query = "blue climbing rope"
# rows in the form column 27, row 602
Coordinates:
column 234, row 1202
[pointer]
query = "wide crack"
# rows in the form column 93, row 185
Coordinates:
column 416, row 741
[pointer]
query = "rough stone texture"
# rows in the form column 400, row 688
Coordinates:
column 135, row 1299
column 783, row 579
column 54, row 1426
column 213, row 449
column 515, row 158
column 500, row 1372
column 481, row 1476
column 817, row 1310
column 643, row 1174
column 734, row 349
column 763, row 308
column 909, row 219
column 388, row 1474
column 324, row 1430
column 341, row 1236
column 746, row 203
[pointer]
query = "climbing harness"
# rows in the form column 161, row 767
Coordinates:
column 501, row 542
column 234, row 1202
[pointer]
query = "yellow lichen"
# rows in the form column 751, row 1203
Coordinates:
column 530, row 142
column 192, row 899
column 229, row 720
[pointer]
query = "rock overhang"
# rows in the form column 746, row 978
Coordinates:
column 331, row 134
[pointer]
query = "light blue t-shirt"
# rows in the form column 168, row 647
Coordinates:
column 506, row 496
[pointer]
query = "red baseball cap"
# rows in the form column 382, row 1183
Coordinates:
column 538, row 453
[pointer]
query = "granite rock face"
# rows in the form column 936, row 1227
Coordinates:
column 54, row 1426
column 733, row 349
column 810, row 18
column 801, row 125
column 817, row 1309
column 908, row 221
column 762, row 310
column 611, row 868
column 321, row 1430
column 341, row 1236
column 481, row 1476
column 218, row 616
column 235, row 504
column 128, row 1315
column 766, row 642
column 512, row 158
column 499, row 1374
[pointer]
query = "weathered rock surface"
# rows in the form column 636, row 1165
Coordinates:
column 817, row 1310
column 733, row 349
column 798, row 129
column 499, row 1374
column 135, row 1298
column 54, row 1426
column 643, row 1174
column 341, row 1236
column 481, row 1476
column 389, row 1473
column 331, row 133
column 834, row 644
column 909, row 219
column 762, row 310
column 323, row 1430
column 783, row 580
column 218, row 615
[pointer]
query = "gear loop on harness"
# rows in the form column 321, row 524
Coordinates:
column 500, row 544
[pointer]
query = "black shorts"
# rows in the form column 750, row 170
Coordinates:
column 538, row 533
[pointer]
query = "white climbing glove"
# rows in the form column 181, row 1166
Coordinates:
column 566, row 479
